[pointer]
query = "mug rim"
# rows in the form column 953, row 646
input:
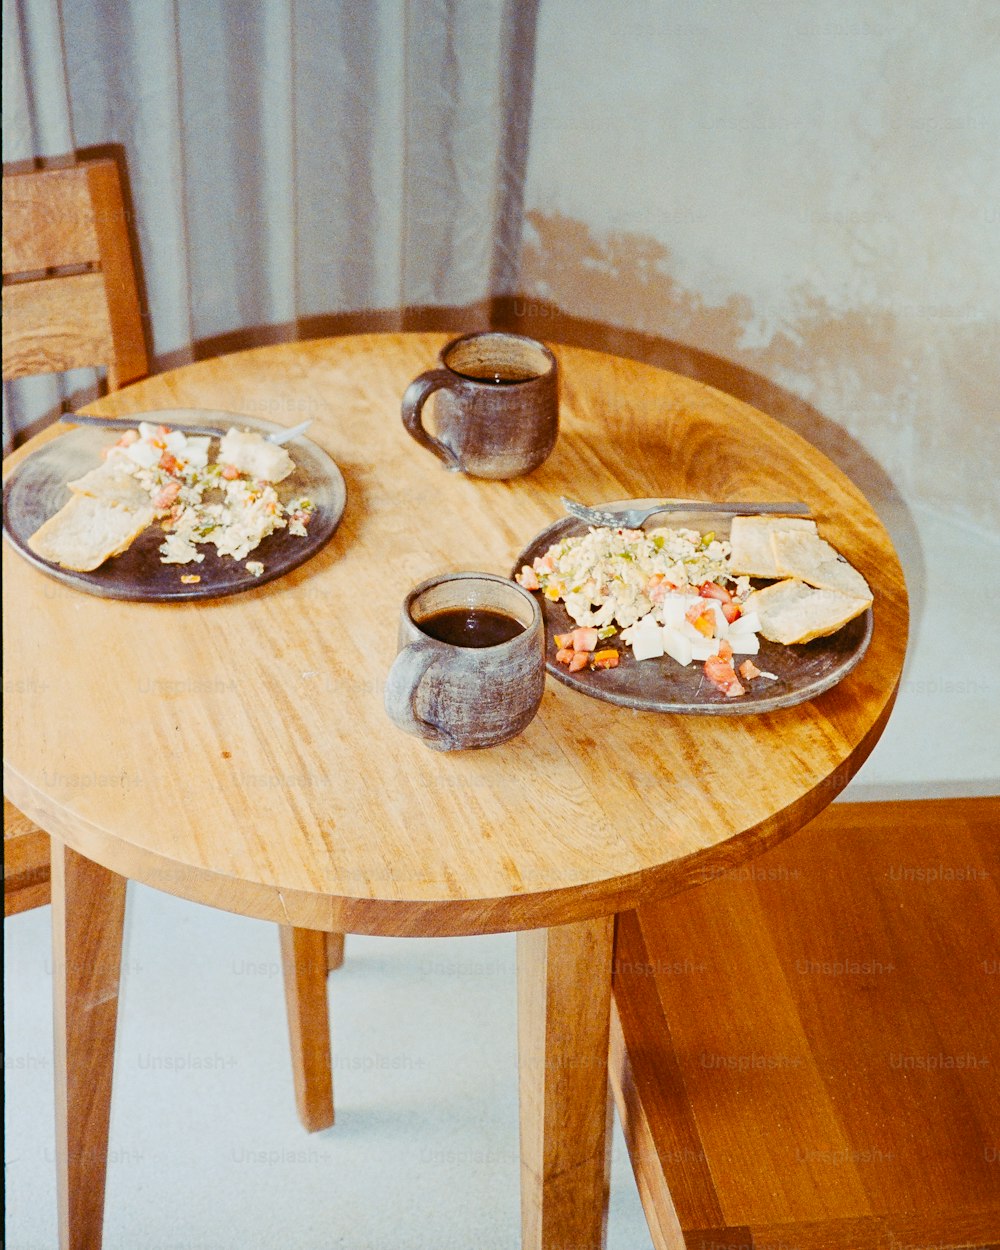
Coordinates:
column 505, row 334
column 464, row 575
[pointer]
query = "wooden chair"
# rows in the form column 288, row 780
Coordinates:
column 807, row 1052
column 70, row 299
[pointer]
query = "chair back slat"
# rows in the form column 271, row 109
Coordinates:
column 54, row 325
column 48, row 221
column 69, row 219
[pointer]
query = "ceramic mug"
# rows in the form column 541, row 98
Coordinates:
column 497, row 409
column 470, row 670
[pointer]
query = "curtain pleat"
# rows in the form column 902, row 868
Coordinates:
column 454, row 127
column 290, row 162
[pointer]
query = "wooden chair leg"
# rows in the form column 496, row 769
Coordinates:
column 564, row 1005
column 305, row 963
column 88, row 914
column 334, row 951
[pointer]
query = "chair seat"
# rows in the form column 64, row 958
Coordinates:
column 26, row 855
column 806, row 1051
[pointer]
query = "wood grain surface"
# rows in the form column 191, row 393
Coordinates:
column 54, row 221
column 806, row 1051
column 563, row 1015
column 88, row 916
column 305, row 962
column 237, row 752
column 26, row 871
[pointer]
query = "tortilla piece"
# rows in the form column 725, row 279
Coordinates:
column 252, row 454
column 112, row 483
column 87, row 531
column 812, row 559
column 751, row 540
column 791, row 611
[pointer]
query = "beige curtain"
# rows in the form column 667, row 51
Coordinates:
column 295, row 166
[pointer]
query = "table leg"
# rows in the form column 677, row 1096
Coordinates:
column 305, row 961
column 334, row 951
column 564, row 1006
column 88, row 915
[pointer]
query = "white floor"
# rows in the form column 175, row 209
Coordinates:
column 206, row 1151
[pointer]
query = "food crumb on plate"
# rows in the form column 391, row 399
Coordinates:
column 255, row 567
column 190, row 578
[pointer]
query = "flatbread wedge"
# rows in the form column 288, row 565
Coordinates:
column 812, row 559
column 113, row 483
column 87, row 531
column 751, row 540
column 791, row 612
column 251, row 453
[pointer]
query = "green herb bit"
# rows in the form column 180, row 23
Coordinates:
column 608, row 631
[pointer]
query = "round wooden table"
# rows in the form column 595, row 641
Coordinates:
column 236, row 752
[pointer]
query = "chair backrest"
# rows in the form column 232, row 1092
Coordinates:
column 69, row 289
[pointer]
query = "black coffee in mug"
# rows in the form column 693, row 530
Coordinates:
column 499, row 374
column 471, row 627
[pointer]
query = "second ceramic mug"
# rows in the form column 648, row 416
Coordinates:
column 497, row 408
column 470, row 671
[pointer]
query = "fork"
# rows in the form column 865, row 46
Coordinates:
column 632, row 518
column 280, row 437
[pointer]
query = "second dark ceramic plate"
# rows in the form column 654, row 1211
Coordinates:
column 661, row 685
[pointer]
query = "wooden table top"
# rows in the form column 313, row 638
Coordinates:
column 236, row 751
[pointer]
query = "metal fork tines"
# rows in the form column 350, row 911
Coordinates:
column 632, row 518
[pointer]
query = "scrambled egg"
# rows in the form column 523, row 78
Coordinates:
column 617, row 576
column 201, row 503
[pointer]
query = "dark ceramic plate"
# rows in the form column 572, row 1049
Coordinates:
column 661, row 685
column 37, row 490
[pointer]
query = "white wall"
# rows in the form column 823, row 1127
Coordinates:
column 809, row 189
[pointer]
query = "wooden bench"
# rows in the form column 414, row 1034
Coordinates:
column 806, row 1052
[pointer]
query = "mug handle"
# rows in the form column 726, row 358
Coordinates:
column 407, row 672
column 414, row 398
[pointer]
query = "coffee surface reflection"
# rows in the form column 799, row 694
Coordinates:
column 471, row 627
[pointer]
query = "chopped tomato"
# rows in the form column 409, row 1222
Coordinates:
column 702, row 618
column 605, row 659
column 585, row 639
column 230, row 472
column 169, row 463
column 528, row 578
column 564, row 641
column 564, row 655
column 712, row 590
column 578, row 660
column 725, row 650
column 749, row 670
column 731, row 611
column 165, row 497
column 658, row 587
column 722, row 674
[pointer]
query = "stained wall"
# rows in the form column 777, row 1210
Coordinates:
column 808, row 191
